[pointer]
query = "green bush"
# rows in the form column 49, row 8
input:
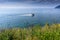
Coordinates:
column 37, row 32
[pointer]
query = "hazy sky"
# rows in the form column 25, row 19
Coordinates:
column 28, row 3
column 51, row 1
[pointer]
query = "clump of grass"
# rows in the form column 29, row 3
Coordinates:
column 47, row 32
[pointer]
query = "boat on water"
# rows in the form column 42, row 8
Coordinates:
column 32, row 15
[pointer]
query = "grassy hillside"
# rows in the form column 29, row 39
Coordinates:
column 47, row 32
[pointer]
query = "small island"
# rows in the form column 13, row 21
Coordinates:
column 57, row 6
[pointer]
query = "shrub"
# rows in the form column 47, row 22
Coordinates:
column 37, row 32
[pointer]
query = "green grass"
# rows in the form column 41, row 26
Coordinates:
column 47, row 32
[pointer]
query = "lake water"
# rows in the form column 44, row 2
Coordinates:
column 12, row 17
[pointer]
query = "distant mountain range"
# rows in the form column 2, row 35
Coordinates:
column 57, row 6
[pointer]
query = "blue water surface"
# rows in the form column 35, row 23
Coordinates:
column 10, row 18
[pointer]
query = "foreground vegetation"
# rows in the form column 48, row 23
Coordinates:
column 47, row 32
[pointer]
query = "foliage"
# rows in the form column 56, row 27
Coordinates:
column 37, row 32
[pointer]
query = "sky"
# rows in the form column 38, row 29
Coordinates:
column 29, row 3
